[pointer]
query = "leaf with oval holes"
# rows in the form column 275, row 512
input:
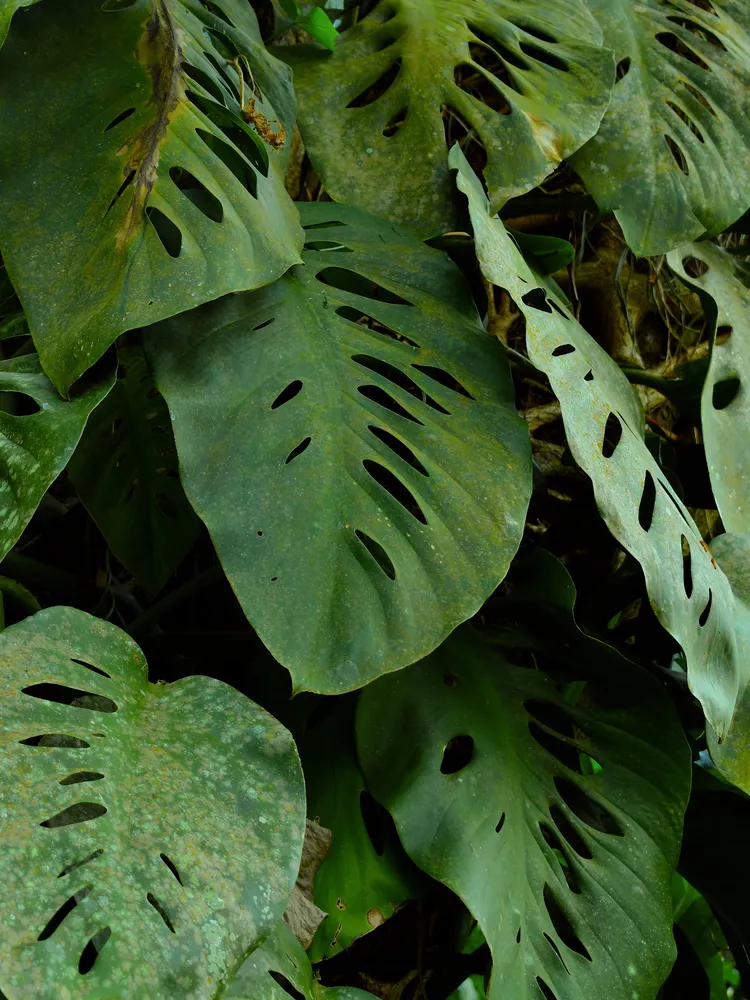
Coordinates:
column 366, row 874
column 530, row 85
column 151, row 832
column 604, row 428
column 486, row 770
column 160, row 196
column 280, row 969
column 725, row 409
column 38, row 433
column 349, row 437
column 126, row 473
column 670, row 156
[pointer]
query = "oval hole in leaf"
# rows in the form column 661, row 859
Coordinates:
column 362, row 319
column 398, row 448
column 378, row 553
column 56, row 740
column 457, row 754
column 377, row 88
column 195, row 191
column 694, row 267
column 612, row 435
column 687, row 572
column 707, row 610
column 295, row 452
column 171, row 866
column 723, row 333
column 78, row 776
column 543, row 56
column 444, row 378
column 562, row 350
column 18, row 404
column 587, row 809
column 622, row 69
column 670, row 41
column 537, row 299
column 170, row 235
column 648, row 502
column 569, row 833
column 92, row 950
column 160, row 910
column 286, row 394
column 393, row 485
column 123, row 116
column 71, row 696
column 563, row 927
column 67, row 907
column 725, row 392
column 79, row 812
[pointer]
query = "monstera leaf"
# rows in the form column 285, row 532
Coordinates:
column 349, row 437
column 555, row 818
column 604, row 428
column 159, row 195
column 530, row 81
column 280, row 969
column 125, row 471
column 725, row 409
column 7, row 10
column 670, row 155
column 38, row 432
column 151, row 833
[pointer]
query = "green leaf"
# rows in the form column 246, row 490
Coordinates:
column 290, row 8
column 725, row 410
column 319, row 25
column 365, row 875
column 38, row 433
column 699, row 927
column 669, row 158
column 163, row 823
column 125, row 471
column 545, row 83
column 604, row 428
column 7, row 10
column 349, row 437
column 283, row 958
column 159, row 196
column 481, row 763
column 548, row 253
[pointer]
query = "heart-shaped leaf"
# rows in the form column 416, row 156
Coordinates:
column 530, row 82
column 670, row 156
column 125, row 471
column 38, row 433
column 151, row 833
column 553, row 809
column 159, row 195
column 349, row 437
column 604, row 427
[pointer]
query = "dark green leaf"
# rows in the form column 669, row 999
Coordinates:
column 163, row 823
column 548, row 253
column 290, row 8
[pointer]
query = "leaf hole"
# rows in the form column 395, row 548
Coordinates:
column 287, row 394
column 622, row 69
column 569, row 833
column 518, row 936
column 160, row 910
column 56, row 740
column 699, row 97
column 78, row 864
column 544, row 989
column 562, row 350
column 323, row 246
column 707, row 610
column 457, row 754
column 536, row 32
column 694, row 267
column 18, row 404
column 394, row 123
column 168, row 233
column 397, row 377
column 725, row 392
column 612, row 435
column 78, row 776
column 90, row 666
column 382, row 398
column 502, row 52
column 204, row 80
column 677, row 154
column 392, row 485
column 67, row 907
column 399, row 448
column 378, row 553
column 537, row 299
column 500, row 824
column 92, row 950
column 561, row 751
column 263, row 325
column 586, row 808
column 687, row 572
column 670, row 41
column 648, row 502
column 699, row 30
column 195, row 191
column 373, row 325
column 286, row 985
column 678, row 506
column 686, row 120
column 589, row 376
column 444, row 378
column 556, row 951
column 377, row 88
column 115, row 5
column 541, row 55
column 487, row 66
column 123, row 116
column 294, row 453
column 232, row 160
column 563, row 927
column 561, row 857
column 349, row 281
column 552, row 716
column 70, row 696
column 723, row 333
column 171, row 866
column 79, row 812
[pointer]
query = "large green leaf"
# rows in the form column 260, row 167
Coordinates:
column 605, row 430
column 159, row 826
column 355, row 454
column 725, row 403
column 365, row 875
column 38, row 432
column 671, row 155
column 536, row 83
column 7, row 10
column 557, row 819
column 158, row 196
column 281, row 963
column 125, row 471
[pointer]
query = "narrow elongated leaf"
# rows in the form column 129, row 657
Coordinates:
column 604, row 427
column 281, row 963
column 125, row 470
column 725, row 403
column 556, row 820
column 38, row 433
column 159, row 195
column 531, row 82
column 151, row 833
column 349, row 437
column 670, row 156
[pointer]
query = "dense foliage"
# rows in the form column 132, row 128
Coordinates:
column 375, row 539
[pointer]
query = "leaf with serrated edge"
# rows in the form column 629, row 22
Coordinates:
column 172, row 814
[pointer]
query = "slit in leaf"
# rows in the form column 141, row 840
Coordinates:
column 367, row 322
column 232, row 160
column 195, row 191
column 67, row 907
column 295, row 452
column 397, row 377
column 347, row 280
column 670, row 41
column 541, row 55
column 377, row 88
column 443, row 377
column 78, row 776
column 544, row 989
column 612, row 435
column 123, row 116
column 553, row 841
column 121, row 190
column 64, row 695
column 286, row 986
column 677, row 155
column 686, row 120
column 78, row 864
column 500, row 824
column 287, row 394
column 551, row 715
column 378, row 553
column 698, row 29
column 392, row 485
column 399, row 448
column 171, row 866
column 556, row 951
column 563, row 927
column 382, row 398
column 648, row 502
column 80, row 812
column 92, row 950
column 699, row 97
column 586, row 808
column 562, row 752
column 687, row 571
column 160, row 910
column 90, row 666
column 395, row 122
column 707, row 610
column 569, row 833
column 622, row 69
column 169, row 234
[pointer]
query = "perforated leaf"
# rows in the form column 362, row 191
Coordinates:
column 349, row 437
column 281, row 963
column 125, row 470
column 159, row 195
column 531, row 81
column 151, row 833
column 604, row 428
column 670, row 156
column 38, row 432
column 555, row 818
column 725, row 405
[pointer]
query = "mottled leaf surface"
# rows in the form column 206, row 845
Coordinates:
column 159, row 196
column 153, row 830
column 349, row 437
column 530, row 79
column 38, row 433
column 125, row 471
column 670, row 158
column 604, row 428
column 555, row 818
